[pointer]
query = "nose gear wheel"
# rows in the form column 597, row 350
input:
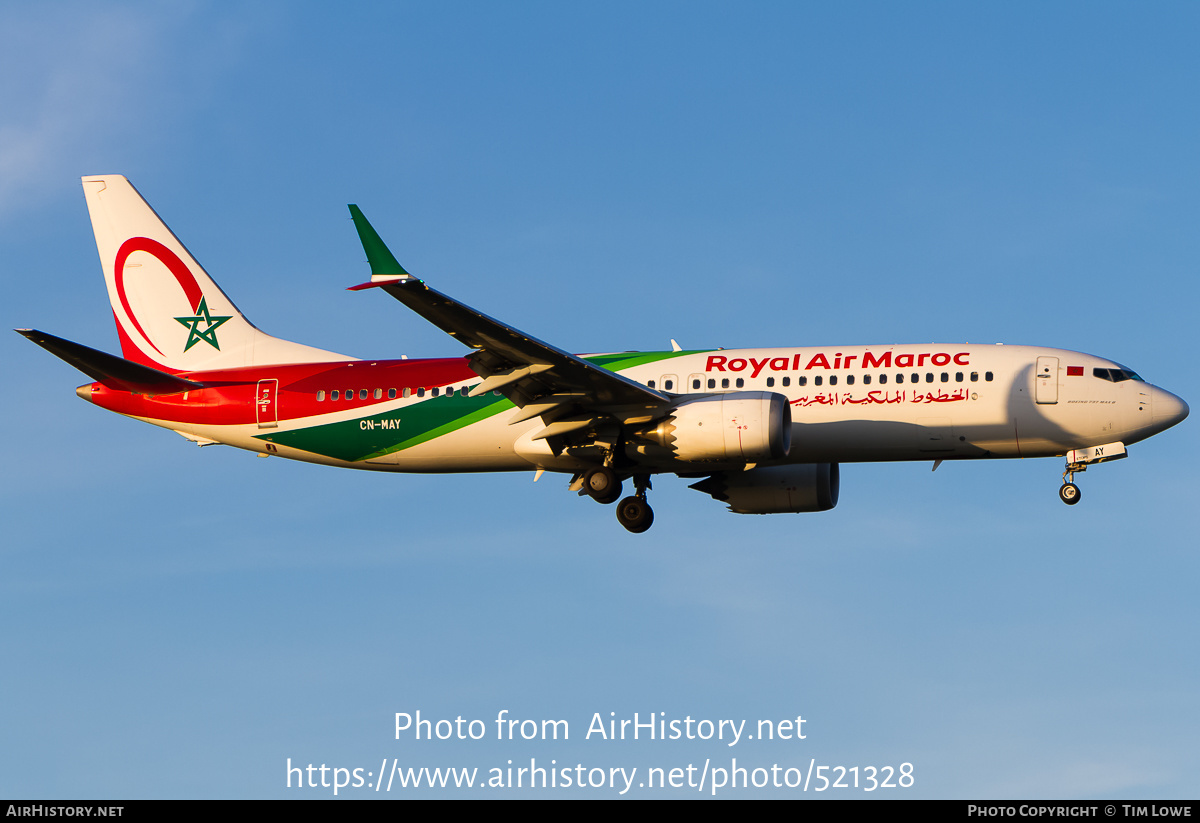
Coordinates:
column 1069, row 494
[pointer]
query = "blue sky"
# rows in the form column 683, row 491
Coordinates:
column 179, row 622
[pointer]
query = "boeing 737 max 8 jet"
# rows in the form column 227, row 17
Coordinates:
column 762, row 430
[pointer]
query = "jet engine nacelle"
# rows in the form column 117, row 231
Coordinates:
column 747, row 427
column 803, row 487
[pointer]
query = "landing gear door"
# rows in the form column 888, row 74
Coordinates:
column 1046, row 380
column 264, row 403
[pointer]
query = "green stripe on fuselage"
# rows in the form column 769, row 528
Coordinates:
column 627, row 360
column 376, row 435
column 366, row 438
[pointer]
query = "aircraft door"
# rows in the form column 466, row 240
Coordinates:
column 1046, row 380
column 265, row 408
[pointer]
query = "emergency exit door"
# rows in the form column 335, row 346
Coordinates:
column 265, row 406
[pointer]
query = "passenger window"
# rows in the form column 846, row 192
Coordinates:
column 379, row 394
column 712, row 383
column 945, row 377
column 787, row 381
column 391, row 394
column 668, row 385
column 436, row 391
column 724, row 382
column 882, row 379
column 974, row 377
column 833, row 379
column 928, row 377
column 866, row 379
column 421, row 392
column 696, row 384
column 333, row 395
column 321, row 396
column 900, row 378
column 849, row 380
column 407, row 391
column 817, row 380
column 770, row 382
column 802, row 380
column 988, row 377
column 649, row 384
column 740, row 382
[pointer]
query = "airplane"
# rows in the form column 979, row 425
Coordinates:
column 762, row 430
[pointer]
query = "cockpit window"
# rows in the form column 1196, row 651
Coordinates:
column 1117, row 375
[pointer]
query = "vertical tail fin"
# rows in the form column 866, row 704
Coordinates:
column 170, row 314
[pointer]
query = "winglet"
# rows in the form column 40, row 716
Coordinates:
column 384, row 265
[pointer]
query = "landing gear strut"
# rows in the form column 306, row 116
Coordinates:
column 634, row 513
column 1070, row 493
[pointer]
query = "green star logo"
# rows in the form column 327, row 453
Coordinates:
column 209, row 334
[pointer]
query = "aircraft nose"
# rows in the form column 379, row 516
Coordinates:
column 1166, row 409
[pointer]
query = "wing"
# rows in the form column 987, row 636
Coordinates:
column 569, row 393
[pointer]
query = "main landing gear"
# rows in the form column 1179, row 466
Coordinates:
column 604, row 486
column 634, row 513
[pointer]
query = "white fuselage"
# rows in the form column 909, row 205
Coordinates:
column 848, row 404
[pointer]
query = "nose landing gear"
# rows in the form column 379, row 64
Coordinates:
column 1078, row 460
column 1070, row 493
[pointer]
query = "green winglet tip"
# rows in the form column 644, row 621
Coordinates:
column 381, row 259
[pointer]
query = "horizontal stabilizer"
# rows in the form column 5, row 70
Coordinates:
column 112, row 371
